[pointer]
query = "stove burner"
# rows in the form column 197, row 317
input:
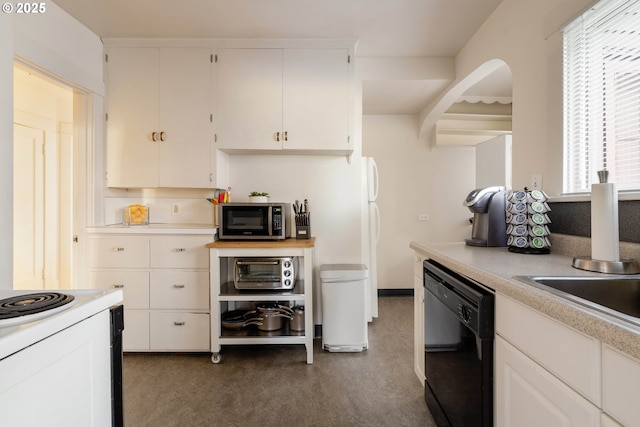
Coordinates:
column 23, row 305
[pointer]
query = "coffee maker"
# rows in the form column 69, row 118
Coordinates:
column 489, row 216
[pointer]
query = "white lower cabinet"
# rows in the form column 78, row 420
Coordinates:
column 620, row 387
column 165, row 281
column 529, row 396
column 548, row 374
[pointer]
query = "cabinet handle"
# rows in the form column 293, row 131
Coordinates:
column 154, row 136
column 161, row 136
column 277, row 136
column 179, row 250
column 285, row 136
column 117, row 286
column 179, row 323
column 178, row 285
column 118, row 249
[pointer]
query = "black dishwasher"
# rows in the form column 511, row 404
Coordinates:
column 458, row 333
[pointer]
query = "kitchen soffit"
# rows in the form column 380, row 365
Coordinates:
column 383, row 28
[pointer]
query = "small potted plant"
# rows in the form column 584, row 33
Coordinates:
column 258, row 197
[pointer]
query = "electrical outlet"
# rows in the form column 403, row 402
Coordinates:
column 536, row 181
column 423, row 217
column 175, row 209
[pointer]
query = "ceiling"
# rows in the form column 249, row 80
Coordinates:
column 383, row 28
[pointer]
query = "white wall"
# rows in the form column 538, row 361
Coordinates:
column 330, row 183
column 525, row 34
column 6, row 152
column 415, row 179
column 50, row 41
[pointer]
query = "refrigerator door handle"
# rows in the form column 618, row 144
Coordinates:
column 372, row 179
column 377, row 215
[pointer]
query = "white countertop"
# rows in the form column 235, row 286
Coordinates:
column 87, row 303
column 496, row 268
column 153, row 229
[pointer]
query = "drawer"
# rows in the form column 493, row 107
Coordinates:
column 179, row 290
column 179, row 252
column 119, row 252
column 180, row 331
column 134, row 284
column 135, row 336
column 620, row 386
column 570, row 355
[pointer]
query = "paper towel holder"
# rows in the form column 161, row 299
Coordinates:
column 623, row 266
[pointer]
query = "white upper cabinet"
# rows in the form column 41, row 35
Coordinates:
column 159, row 106
column 297, row 100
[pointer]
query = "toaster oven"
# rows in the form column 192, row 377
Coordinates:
column 275, row 273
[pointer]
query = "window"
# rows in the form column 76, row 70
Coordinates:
column 602, row 96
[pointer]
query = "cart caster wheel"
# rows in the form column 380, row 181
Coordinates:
column 216, row 358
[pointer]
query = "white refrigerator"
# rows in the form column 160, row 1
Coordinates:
column 370, row 233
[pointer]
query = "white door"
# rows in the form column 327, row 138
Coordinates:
column 28, row 208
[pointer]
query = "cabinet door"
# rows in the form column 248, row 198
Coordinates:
column 179, row 331
column 529, row 396
column 134, row 285
column 132, row 117
column 136, row 330
column 418, row 318
column 620, row 385
column 179, row 252
column 180, row 290
column 185, row 101
column 249, row 96
column 316, row 104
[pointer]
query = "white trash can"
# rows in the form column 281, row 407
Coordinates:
column 344, row 321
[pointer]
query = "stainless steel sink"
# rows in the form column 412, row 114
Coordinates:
column 616, row 296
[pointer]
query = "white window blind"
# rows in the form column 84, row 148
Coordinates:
column 602, row 96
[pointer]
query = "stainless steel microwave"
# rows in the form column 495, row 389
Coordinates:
column 254, row 221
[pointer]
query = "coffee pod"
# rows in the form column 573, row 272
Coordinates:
column 537, row 196
column 538, row 231
column 519, row 219
column 537, row 242
column 537, row 207
column 520, row 242
column 517, row 208
column 520, row 230
column 518, row 196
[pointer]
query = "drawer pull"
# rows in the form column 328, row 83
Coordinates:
column 117, row 286
column 179, row 323
column 118, row 249
column 179, row 250
column 178, row 285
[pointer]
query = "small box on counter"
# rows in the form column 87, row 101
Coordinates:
column 136, row 215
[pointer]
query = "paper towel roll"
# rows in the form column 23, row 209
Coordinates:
column 604, row 222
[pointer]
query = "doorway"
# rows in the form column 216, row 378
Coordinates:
column 43, row 181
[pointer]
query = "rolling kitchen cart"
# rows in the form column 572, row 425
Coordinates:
column 224, row 296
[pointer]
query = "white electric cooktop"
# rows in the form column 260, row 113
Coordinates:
column 19, row 332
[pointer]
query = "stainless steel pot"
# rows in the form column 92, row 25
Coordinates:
column 273, row 315
column 297, row 319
